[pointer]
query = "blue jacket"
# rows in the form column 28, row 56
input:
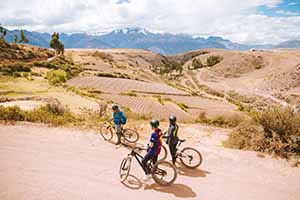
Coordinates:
column 119, row 118
column 156, row 139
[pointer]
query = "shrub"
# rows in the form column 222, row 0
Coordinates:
column 197, row 64
column 13, row 113
column 56, row 77
column 273, row 130
column 14, row 69
column 182, row 106
column 213, row 60
column 130, row 93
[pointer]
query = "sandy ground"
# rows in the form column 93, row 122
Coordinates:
column 37, row 162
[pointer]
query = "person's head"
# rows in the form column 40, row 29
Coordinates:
column 172, row 119
column 115, row 108
column 154, row 123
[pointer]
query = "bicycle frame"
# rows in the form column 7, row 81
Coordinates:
column 139, row 158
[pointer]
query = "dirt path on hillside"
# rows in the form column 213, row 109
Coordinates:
column 37, row 162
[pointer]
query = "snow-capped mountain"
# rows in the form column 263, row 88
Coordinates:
column 135, row 37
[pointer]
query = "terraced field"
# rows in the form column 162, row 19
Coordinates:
column 210, row 106
column 117, row 86
column 149, row 106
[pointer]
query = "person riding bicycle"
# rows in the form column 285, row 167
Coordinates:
column 172, row 137
column 119, row 120
column 154, row 146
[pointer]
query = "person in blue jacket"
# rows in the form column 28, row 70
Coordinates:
column 119, row 120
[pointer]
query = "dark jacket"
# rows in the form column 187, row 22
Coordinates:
column 172, row 137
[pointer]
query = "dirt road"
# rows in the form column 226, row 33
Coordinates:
column 37, row 162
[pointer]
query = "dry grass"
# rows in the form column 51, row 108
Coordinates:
column 273, row 130
column 221, row 121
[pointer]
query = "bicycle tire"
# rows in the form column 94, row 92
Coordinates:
column 157, row 170
column 186, row 164
column 163, row 153
column 130, row 135
column 106, row 131
column 124, row 170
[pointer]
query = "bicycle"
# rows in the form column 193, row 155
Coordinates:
column 188, row 156
column 163, row 172
column 107, row 131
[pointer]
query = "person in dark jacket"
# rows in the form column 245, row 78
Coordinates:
column 119, row 120
column 172, row 137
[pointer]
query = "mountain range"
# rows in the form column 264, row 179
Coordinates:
column 163, row 43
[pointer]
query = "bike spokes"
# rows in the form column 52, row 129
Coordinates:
column 190, row 157
column 164, row 173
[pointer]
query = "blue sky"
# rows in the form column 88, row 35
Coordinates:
column 286, row 8
column 244, row 21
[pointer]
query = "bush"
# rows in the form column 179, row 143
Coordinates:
column 273, row 130
column 13, row 113
column 213, row 60
column 45, row 114
column 56, row 77
column 103, row 56
column 14, row 69
column 197, row 64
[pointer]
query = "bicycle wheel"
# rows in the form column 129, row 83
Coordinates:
column 163, row 153
column 130, row 135
column 164, row 173
column 125, row 168
column 190, row 157
column 106, row 131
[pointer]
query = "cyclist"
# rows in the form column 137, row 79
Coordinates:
column 153, row 147
column 172, row 137
column 119, row 120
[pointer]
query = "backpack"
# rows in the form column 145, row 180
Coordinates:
column 123, row 119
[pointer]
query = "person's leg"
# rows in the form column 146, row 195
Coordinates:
column 118, row 132
column 145, row 161
column 172, row 148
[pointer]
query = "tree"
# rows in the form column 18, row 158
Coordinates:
column 3, row 32
column 55, row 44
column 23, row 38
column 15, row 39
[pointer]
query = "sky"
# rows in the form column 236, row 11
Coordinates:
column 243, row 21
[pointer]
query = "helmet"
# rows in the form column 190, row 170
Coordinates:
column 114, row 107
column 172, row 118
column 154, row 123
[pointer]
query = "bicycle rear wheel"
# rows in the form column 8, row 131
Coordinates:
column 164, row 173
column 130, row 135
column 106, row 131
column 163, row 153
column 125, row 168
column 190, row 157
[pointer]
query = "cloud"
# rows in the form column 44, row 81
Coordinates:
column 233, row 19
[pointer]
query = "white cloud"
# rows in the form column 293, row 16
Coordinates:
column 233, row 19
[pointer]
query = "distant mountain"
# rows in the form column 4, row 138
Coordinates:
column 289, row 44
column 163, row 43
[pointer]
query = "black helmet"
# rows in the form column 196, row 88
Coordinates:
column 172, row 118
column 114, row 107
column 154, row 123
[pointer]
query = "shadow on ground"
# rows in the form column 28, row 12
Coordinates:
column 177, row 189
column 132, row 182
column 182, row 170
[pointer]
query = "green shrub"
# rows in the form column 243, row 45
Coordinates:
column 213, row 60
column 197, row 64
column 13, row 113
column 130, row 93
column 273, row 130
column 14, row 69
column 56, row 77
column 182, row 106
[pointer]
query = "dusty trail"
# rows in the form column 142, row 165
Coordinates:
column 37, row 162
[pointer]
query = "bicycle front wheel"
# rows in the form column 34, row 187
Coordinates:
column 164, row 173
column 190, row 157
column 106, row 131
column 130, row 135
column 125, row 168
